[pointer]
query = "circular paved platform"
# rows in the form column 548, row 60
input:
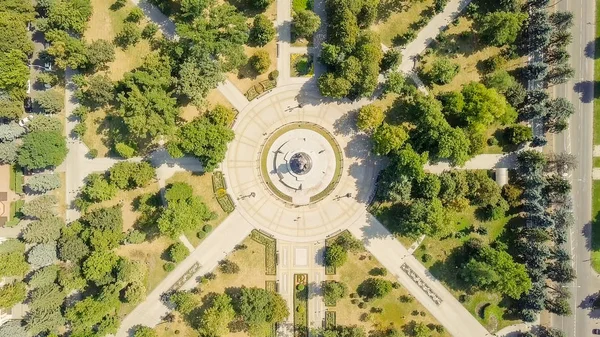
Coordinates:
column 269, row 213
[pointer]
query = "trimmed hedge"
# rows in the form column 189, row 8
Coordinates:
column 330, row 323
column 260, row 88
column 226, row 203
column 271, row 285
column 270, row 251
column 220, row 192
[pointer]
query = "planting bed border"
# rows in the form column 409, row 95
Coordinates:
column 301, row 297
column 270, row 250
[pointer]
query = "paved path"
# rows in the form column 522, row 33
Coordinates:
column 265, row 211
column 208, row 254
column 301, row 258
column 167, row 27
column 391, row 254
column 437, row 24
column 480, row 162
column 284, row 39
column 578, row 140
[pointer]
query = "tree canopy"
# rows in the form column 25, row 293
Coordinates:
column 42, row 149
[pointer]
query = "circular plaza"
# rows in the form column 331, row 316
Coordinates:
column 297, row 169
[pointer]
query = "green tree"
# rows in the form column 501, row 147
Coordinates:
column 130, row 175
column 99, row 54
column 485, row 106
column 13, row 32
column 11, row 294
column 182, row 215
column 374, row 288
column 221, row 115
column 41, row 320
column 184, row 302
column 335, row 87
column 197, row 77
column 46, row 298
column 66, row 50
column 10, row 132
column 260, row 4
column 305, row 23
column 124, row 150
column 8, row 152
column 144, row 331
column 44, row 277
column 429, row 187
column 178, row 252
column 334, row 291
column 501, row 28
column 10, row 109
column 442, row 71
column 135, row 15
column 42, row 149
column 335, row 255
column 517, row 134
column 14, row 73
column 216, row 318
column 395, row 83
column 98, row 92
column 44, row 230
column 70, row 278
column 42, row 254
column 129, row 35
column 69, row 16
column 370, row 117
column 99, row 266
column 206, row 141
column 391, row 60
column 13, row 264
column 387, row 138
column 262, row 30
column 106, row 227
column 40, row 207
column 97, row 188
column 51, row 101
column 260, row 61
column 260, row 308
column 423, row 217
column 12, row 328
column 149, row 30
column 41, row 183
column 45, row 123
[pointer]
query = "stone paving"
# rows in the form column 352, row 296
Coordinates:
column 265, row 211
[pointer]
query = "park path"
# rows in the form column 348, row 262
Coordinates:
column 207, row 256
column 479, row 162
column 393, row 255
column 411, row 52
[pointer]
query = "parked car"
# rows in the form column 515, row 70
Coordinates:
column 25, row 120
column 596, row 331
column 28, row 104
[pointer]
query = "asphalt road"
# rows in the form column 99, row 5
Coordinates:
column 578, row 140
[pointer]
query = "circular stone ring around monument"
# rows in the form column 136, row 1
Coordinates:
column 301, row 163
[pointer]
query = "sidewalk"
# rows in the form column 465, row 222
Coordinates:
column 392, row 255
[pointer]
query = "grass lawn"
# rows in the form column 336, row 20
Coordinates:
column 149, row 253
column 105, row 24
column 214, row 98
column 596, row 162
column 463, row 47
column 597, row 80
column 596, row 225
column 245, row 77
column 395, row 313
column 16, row 179
column 60, row 194
column 440, row 263
column 301, row 65
column 398, row 21
column 127, row 198
column 176, row 328
column 202, row 185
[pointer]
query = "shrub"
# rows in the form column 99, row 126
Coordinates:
column 124, row 150
column 135, row 236
column 335, row 255
column 334, row 291
column 426, row 257
column 201, row 235
column 168, row 266
column 260, row 61
column 262, row 30
column 93, row 153
column 221, row 115
column 378, row 272
column 128, row 36
column 135, row 15
column 51, row 101
column 47, row 78
column 207, row 228
column 443, row 71
column 228, row 267
column 274, row 75
column 178, row 252
column 149, row 31
column 144, row 331
column 374, row 288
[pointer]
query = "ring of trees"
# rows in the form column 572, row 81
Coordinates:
column 264, row 168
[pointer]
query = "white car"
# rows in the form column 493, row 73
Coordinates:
column 25, row 120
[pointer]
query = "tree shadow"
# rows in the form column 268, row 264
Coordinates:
column 346, row 125
column 386, row 8
column 590, row 49
column 587, row 90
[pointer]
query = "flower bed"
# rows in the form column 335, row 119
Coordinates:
column 300, row 305
column 271, row 285
column 270, row 251
column 220, row 191
column 218, row 181
column 226, row 203
column 260, row 88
